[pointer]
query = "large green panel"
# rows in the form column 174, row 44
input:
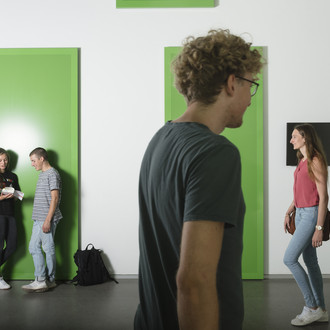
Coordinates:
column 39, row 108
column 249, row 139
column 164, row 3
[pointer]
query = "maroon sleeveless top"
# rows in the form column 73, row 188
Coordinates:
column 304, row 188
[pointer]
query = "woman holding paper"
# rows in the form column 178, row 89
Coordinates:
column 8, row 229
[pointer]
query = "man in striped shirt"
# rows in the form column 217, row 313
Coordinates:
column 46, row 215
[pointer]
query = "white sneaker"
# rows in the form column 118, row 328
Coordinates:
column 307, row 316
column 324, row 317
column 35, row 286
column 3, row 284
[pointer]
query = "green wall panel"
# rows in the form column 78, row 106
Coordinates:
column 164, row 3
column 39, row 107
column 249, row 139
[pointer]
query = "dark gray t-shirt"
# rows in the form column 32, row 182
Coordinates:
column 188, row 173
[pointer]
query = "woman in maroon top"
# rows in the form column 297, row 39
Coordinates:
column 310, row 202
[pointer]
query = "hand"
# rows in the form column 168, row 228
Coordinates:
column 286, row 223
column 317, row 238
column 46, row 226
column 6, row 196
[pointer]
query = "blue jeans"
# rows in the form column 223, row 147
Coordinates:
column 39, row 240
column 311, row 285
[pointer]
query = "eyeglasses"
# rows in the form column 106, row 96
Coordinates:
column 254, row 86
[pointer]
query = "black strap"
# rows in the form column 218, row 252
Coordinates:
column 89, row 245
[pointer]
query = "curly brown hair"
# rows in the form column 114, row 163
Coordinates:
column 205, row 63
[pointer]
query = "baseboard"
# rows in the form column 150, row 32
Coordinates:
column 266, row 276
column 285, row 276
column 126, row 276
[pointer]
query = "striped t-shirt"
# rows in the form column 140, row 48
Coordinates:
column 48, row 180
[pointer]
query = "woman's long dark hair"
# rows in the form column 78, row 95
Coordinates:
column 2, row 179
column 314, row 148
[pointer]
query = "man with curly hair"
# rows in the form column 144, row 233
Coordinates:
column 190, row 196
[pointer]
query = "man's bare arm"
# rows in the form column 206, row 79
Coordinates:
column 53, row 204
column 198, row 305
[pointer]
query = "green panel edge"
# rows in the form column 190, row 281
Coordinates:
column 165, row 3
column 169, row 54
column 260, row 182
column 260, row 178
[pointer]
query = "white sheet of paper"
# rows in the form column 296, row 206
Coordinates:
column 19, row 194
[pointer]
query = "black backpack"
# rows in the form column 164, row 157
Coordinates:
column 91, row 269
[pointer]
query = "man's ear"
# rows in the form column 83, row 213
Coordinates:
column 230, row 87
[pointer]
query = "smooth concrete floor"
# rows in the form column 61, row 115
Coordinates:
column 270, row 304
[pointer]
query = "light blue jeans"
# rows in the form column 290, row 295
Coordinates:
column 311, row 285
column 43, row 241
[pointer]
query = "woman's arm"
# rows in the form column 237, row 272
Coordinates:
column 321, row 186
column 287, row 218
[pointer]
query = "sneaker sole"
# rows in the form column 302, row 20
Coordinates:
column 299, row 323
column 5, row 288
column 35, row 290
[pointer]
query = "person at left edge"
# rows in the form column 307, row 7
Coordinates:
column 46, row 215
column 8, row 228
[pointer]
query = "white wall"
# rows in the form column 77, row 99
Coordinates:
column 122, row 99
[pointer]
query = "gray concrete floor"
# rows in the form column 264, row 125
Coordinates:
column 269, row 305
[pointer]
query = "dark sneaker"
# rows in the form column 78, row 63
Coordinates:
column 51, row 284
